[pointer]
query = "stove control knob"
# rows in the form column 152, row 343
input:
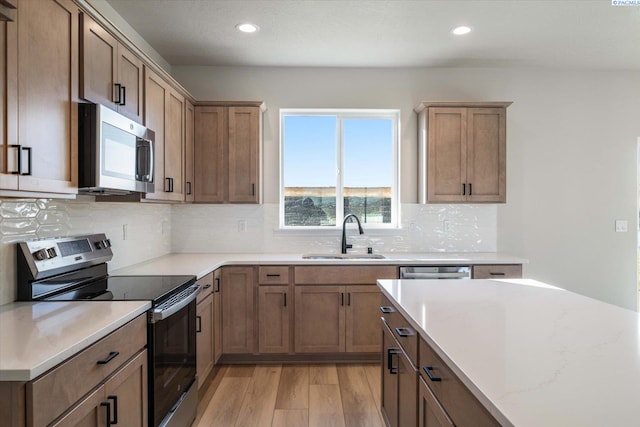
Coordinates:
column 40, row 255
column 51, row 252
column 106, row 243
column 99, row 244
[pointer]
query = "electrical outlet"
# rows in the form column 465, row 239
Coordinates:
column 242, row 226
column 446, row 226
column 622, row 226
column 125, row 231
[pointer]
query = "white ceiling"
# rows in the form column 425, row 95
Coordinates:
column 589, row 34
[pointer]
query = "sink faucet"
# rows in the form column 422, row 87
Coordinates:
column 344, row 236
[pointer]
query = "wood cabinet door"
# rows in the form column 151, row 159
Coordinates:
column 48, row 95
column 210, row 165
column 319, row 319
column 204, row 338
column 446, row 154
column 98, row 64
column 244, row 146
column 127, row 393
column 362, row 319
column 130, row 77
column 430, row 412
column 407, row 391
column 274, row 311
column 188, row 151
column 217, row 316
column 486, row 154
column 155, row 94
column 8, row 105
column 238, row 309
column 92, row 411
column 174, row 145
column 389, row 403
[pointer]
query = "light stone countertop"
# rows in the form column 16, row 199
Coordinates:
column 533, row 354
column 200, row 264
column 36, row 336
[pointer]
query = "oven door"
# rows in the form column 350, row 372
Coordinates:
column 172, row 341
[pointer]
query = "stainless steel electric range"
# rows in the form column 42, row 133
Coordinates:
column 75, row 268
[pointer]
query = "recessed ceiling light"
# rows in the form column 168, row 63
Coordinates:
column 247, row 27
column 458, row 31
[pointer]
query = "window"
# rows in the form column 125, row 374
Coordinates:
column 336, row 162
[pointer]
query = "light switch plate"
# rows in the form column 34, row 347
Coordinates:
column 622, row 226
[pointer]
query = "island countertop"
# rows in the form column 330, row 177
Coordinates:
column 533, row 354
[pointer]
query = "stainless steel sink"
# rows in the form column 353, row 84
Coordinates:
column 343, row 256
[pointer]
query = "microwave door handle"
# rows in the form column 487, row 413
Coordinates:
column 145, row 171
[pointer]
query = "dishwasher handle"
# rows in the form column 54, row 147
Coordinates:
column 440, row 275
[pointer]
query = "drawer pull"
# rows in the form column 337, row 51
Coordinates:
column 386, row 309
column 429, row 372
column 199, row 324
column 207, row 286
column 404, row 332
column 115, row 408
column 109, row 358
column 273, row 275
column 217, row 285
column 496, row 273
column 393, row 370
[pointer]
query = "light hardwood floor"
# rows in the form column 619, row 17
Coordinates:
column 292, row 396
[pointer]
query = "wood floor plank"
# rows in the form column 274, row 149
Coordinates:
column 323, row 374
column 357, row 399
column 260, row 399
column 293, row 391
column 225, row 405
column 375, row 383
column 205, row 394
column 325, row 406
column 290, row 418
column 240, row 370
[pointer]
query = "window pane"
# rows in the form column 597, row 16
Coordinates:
column 368, row 168
column 309, row 170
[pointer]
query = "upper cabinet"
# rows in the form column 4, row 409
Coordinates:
column 227, row 153
column 462, row 152
column 110, row 74
column 40, row 85
column 164, row 114
column 189, row 116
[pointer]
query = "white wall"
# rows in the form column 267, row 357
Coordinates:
column 571, row 138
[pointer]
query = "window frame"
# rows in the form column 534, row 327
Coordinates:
column 341, row 114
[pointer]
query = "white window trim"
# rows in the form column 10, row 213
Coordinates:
column 394, row 114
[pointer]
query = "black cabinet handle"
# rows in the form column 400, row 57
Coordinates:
column 28, row 150
column 429, row 371
column 386, row 309
column 167, row 185
column 107, row 405
column 348, row 298
column 123, row 96
column 198, row 323
column 19, row 147
column 393, row 370
column 464, row 189
column 273, row 275
column 404, row 332
column 109, row 358
column 470, row 189
column 115, row 408
column 188, row 188
column 217, row 285
column 253, row 189
column 496, row 273
column 341, row 298
column 207, row 286
column 171, row 184
column 284, row 294
column 118, row 94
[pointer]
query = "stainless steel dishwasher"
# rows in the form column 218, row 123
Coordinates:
column 435, row 272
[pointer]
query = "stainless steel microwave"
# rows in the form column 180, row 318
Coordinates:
column 115, row 153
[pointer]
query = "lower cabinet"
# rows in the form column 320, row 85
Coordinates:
column 204, row 338
column 274, row 316
column 399, row 383
column 121, row 400
column 430, row 412
column 238, row 309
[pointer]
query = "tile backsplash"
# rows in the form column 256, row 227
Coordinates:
column 141, row 231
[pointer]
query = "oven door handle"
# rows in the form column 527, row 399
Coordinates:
column 159, row 314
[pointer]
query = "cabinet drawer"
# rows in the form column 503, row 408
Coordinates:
column 402, row 331
column 499, row 271
column 64, row 385
column 273, row 275
column 453, row 395
column 206, row 287
column 339, row 275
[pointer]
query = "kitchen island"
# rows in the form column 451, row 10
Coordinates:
column 532, row 354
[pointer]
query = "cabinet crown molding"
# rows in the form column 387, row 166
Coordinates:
column 468, row 104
